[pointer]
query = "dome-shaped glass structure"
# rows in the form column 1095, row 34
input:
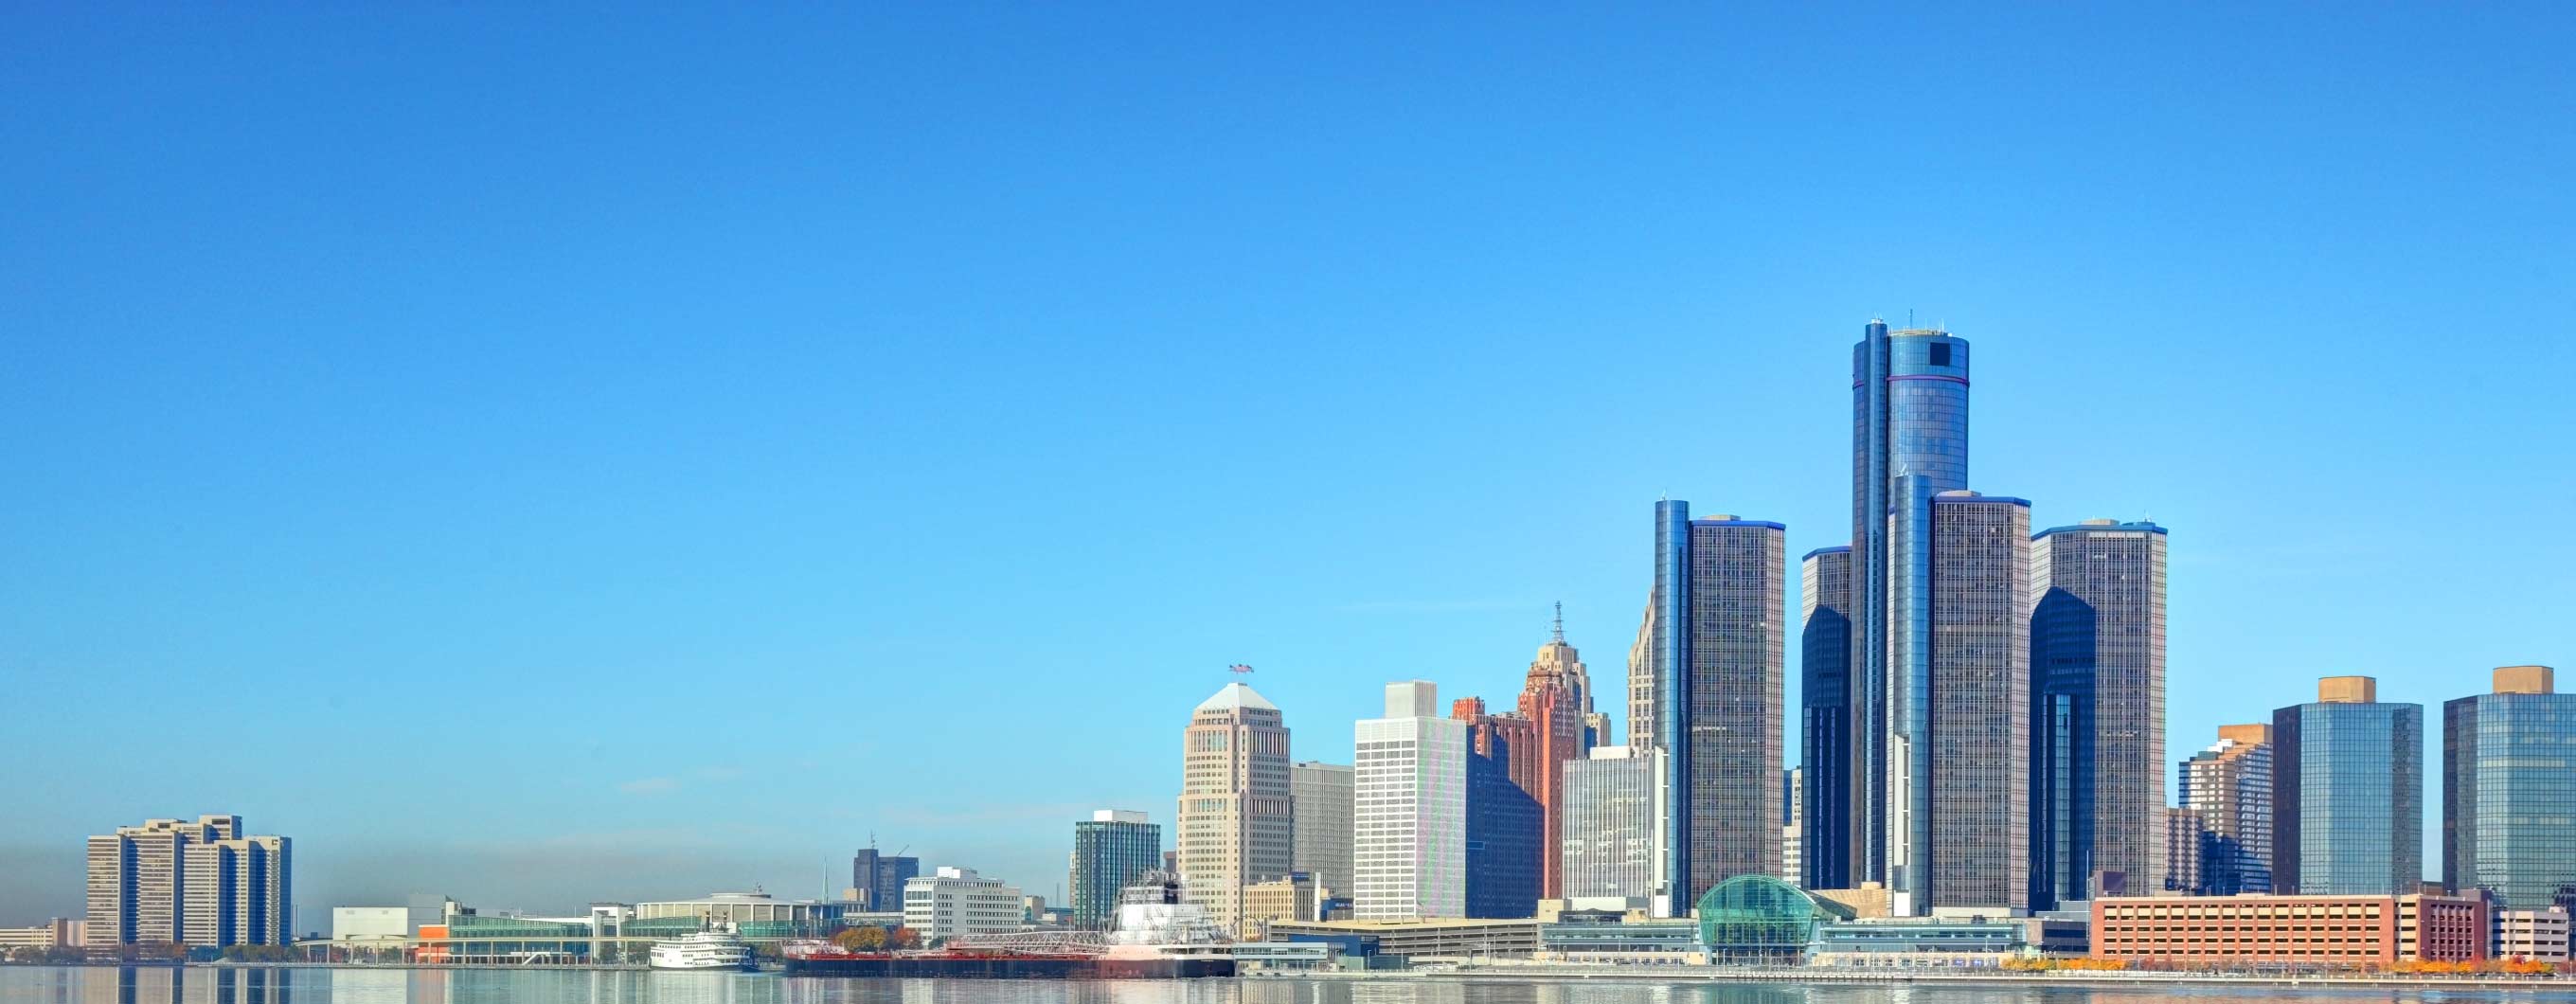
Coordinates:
column 1757, row 918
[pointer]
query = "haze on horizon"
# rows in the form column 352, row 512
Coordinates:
column 543, row 458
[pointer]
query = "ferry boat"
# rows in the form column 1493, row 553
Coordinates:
column 1157, row 935
column 703, row 950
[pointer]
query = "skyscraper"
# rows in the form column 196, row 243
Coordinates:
column 1556, row 699
column 1824, row 734
column 2230, row 785
column 1612, row 806
column 1235, row 824
column 876, row 879
column 1715, row 653
column 1504, row 827
column 204, row 883
column 2097, row 656
column 1959, row 705
column 2347, row 793
column 1793, row 849
column 2183, row 843
column 1409, row 849
column 1109, row 850
column 2509, row 790
column 1321, row 793
column 1909, row 418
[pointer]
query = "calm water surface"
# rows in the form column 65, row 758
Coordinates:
column 97, row 985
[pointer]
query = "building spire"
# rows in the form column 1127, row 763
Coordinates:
column 1560, row 622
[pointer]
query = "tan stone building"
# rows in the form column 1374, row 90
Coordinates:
column 1235, row 817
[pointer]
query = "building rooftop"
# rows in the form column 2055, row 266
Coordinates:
column 1237, row 695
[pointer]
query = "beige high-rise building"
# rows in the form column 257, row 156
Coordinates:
column 201, row 883
column 1236, row 819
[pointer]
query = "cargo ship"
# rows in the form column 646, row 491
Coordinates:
column 1157, row 936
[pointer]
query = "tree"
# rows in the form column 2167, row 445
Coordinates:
column 861, row 939
column 904, row 938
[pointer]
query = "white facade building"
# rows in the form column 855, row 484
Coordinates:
column 1409, row 839
column 366, row 923
column 957, row 901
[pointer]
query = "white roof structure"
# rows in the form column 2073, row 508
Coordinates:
column 1237, row 695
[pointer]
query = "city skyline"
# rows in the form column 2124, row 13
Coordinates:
column 379, row 433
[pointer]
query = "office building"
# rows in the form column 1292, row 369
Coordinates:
column 1409, row 844
column 1556, row 700
column 2309, row 930
column 2509, row 790
column 1642, row 675
column 1909, row 419
column 957, row 901
column 1504, row 852
column 2347, row 793
column 1288, row 898
column 876, row 879
column 1110, row 850
column 2097, row 657
column 1716, row 658
column 59, row 932
column 2184, row 847
column 1236, row 827
column 201, row 883
column 1959, row 748
column 1825, row 718
column 2230, row 785
column 1608, row 845
column 1320, row 796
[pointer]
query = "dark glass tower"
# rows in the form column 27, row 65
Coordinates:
column 1716, row 651
column 1503, row 832
column 1959, row 707
column 1824, row 658
column 1909, row 418
column 2347, row 793
column 2509, row 791
column 1110, row 850
column 2097, row 655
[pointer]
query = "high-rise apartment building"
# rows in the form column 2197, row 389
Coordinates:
column 1715, row 654
column 1825, row 719
column 2097, row 727
column 1110, row 850
column 1321, row 795
column 1409, row 845
column 1613, row 810
column 2509, row 790
column 2230, row 785
column 1909, row 419
column 1235, row 823
column 201, row 883
column 2183, row 843
column 1959, row 703
column 2347, row 793
column 877, row 879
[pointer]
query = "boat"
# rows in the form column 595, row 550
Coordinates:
column 1157, row 935
column 702, row 950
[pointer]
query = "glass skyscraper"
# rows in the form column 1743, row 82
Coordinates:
column 2347, row 793
column 1719, row 606
column 1504, row 834
column 1909, row 419
column 1825, row 740
column 2097, row 654
column 1109, row 850
column 2509, row 790
column 1959, row 704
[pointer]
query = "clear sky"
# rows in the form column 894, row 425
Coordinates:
column 619, row 453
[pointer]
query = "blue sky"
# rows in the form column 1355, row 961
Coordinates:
column 615, row 454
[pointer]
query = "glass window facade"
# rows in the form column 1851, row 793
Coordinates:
column 2230, row 786
column 1961, row 710
column 1758, row 918
column 1108, row 855
column 1825, row 775
column 2348, row 798
column 2509, row 797
column 1735, row 691
column 1503, row 837
column 2097, row 655
column 1608, row 841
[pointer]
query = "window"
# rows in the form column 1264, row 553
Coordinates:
column 1940, row 354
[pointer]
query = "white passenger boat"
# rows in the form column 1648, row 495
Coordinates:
column 703, row 950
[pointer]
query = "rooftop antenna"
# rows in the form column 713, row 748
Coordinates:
column 1560, row 622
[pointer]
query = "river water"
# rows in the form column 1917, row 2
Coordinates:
column 144, row 985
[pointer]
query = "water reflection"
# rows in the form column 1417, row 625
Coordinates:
column 162, row 985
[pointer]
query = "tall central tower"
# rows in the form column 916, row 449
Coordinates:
column 1909, row 419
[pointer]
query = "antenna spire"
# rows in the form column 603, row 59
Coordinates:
column 1560, row 622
